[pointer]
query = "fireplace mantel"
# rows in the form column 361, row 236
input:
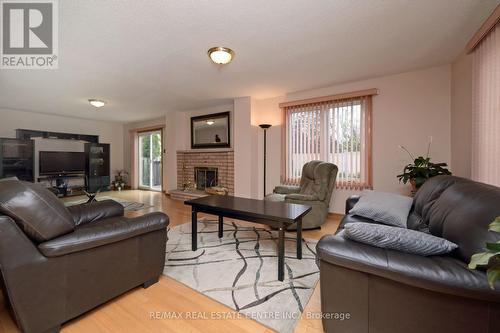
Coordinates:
column 198, row 151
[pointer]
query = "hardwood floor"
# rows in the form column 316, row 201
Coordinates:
column 131, row 312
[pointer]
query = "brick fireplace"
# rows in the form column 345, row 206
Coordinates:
column 199, row 168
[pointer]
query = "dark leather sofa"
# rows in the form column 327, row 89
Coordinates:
column 59, row 262
column 389, row 291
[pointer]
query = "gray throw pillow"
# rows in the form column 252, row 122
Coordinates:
column 387, row 208
column 404, row 240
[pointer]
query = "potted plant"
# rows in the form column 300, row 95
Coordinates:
column 492, row 254
column 120, row 181
column 421, row 169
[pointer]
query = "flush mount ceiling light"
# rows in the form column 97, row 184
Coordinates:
column 210, row 122
column 97, row 103
column 221, row 55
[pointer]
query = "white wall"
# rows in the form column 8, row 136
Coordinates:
column 410, row 107
column 266, row 111
column 178, row 137
column 245, row 175
column 175, row 126
column 108, row 132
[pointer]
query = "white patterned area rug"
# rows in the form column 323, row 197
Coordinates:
column 240, row 270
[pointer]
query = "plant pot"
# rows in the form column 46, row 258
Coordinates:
column 413, row 184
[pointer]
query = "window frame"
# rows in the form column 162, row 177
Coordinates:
column 366, row 179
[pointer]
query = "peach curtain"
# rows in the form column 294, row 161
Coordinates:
column 337, row 131
column 486, row 109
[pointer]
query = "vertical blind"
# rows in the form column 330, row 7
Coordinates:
column 486, row 109
column 337, row 131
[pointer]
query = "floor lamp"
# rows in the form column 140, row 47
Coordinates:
column 265, row 127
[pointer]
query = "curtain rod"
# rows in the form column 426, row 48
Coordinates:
column 354, row 94
column 483, row 31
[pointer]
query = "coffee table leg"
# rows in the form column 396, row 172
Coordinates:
column 299, row 239
column 281, row 253
column 194, row 232
column 221, row 225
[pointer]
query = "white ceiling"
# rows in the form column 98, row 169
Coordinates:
column 149, row 57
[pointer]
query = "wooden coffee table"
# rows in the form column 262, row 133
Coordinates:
column 278, row 215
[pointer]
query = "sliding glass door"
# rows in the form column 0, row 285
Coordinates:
column 150, row 169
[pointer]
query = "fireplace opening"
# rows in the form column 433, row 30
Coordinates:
column 205, row 177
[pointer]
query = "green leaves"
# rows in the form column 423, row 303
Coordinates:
column 494, row 247
column 483, row 258
column 495, row 225
column 421, row 170
column 493, row 274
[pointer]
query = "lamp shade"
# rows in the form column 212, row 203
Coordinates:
column 221, row 55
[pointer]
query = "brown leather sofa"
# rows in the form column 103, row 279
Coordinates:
column 59, row 262
column 389, row 291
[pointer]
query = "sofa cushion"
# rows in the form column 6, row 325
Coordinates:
column 399, row 239
column 276, row 197
column 286, row 189
column 415, row 222
column 444, row 274
column 37, row 211
column 307, row 184
column 318, row 178
column 96, row 210
column 462, row 215
column 388, row 208
column 103, row 232
column 430, row 192
column 302, row 197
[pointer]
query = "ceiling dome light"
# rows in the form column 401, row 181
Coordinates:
column 221, row 55
column 97, row 103
column 210, row 122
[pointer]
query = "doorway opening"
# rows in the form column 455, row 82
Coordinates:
column 150, row 163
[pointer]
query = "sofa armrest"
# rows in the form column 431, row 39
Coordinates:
column 103, row 232
column 444, row 274
column 301, row 197
column 350, row 202
column 286, row 189
column 97, row 210
column 16, row 249
column 31, row 280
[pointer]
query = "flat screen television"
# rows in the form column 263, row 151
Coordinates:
column 61, row 162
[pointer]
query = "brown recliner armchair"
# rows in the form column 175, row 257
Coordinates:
column 59, row 262
column 315, row 190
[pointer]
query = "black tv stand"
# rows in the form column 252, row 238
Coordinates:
column 61, row 184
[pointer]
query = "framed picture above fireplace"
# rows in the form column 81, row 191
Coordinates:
column 211, row 131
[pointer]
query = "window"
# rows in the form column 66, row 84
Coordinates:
column 337, row 130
